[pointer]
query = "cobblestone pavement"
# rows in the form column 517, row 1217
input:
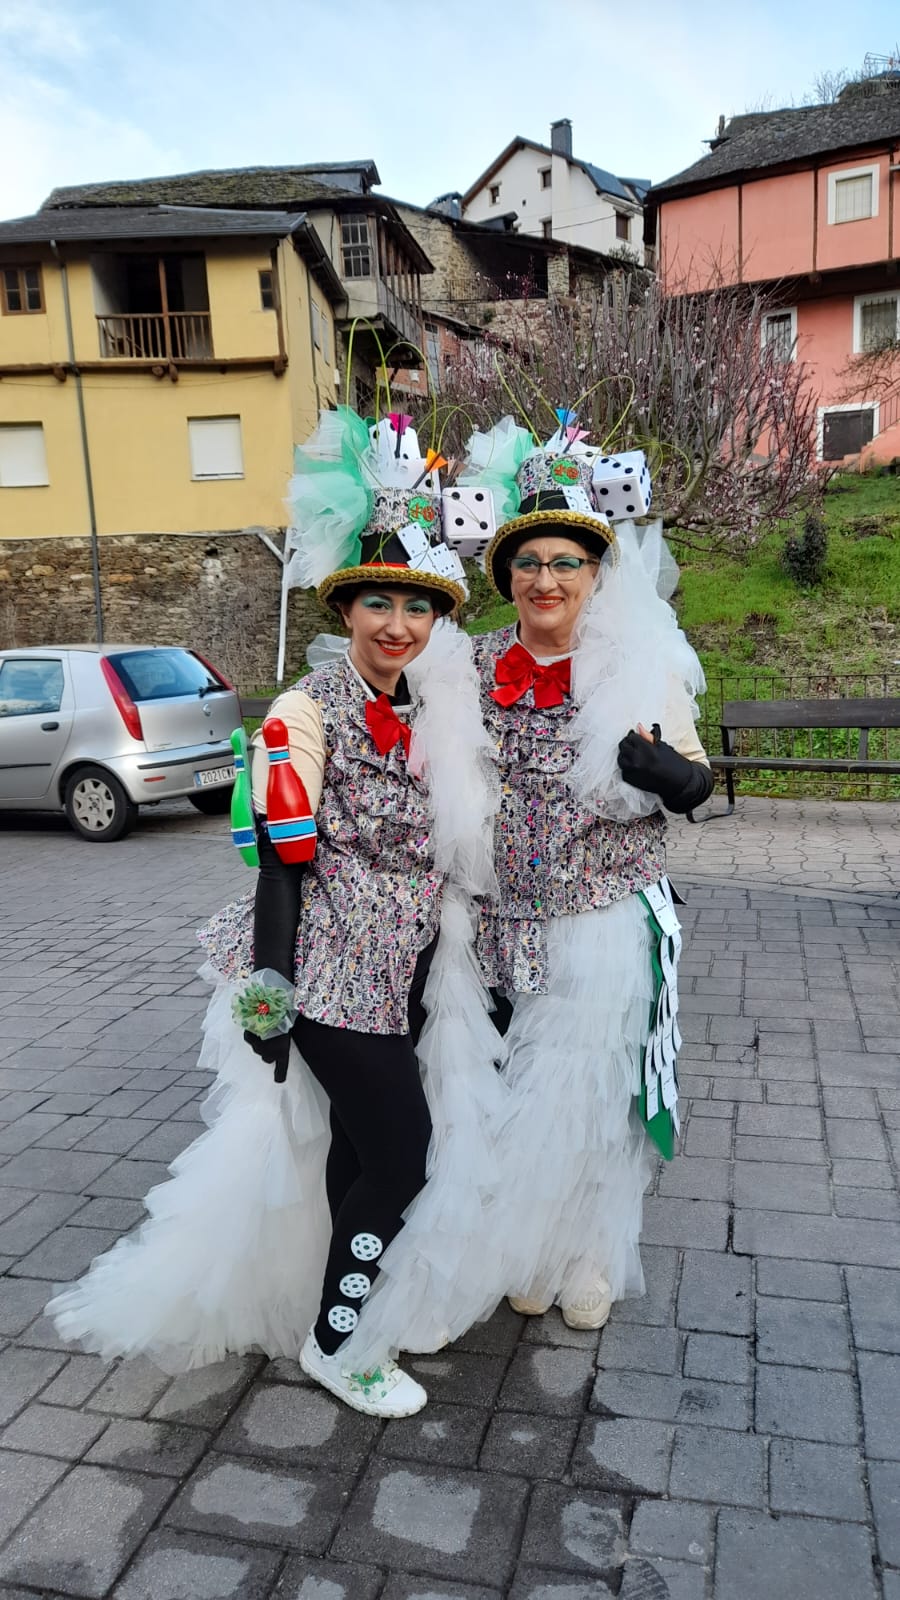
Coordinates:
column 734, row 1435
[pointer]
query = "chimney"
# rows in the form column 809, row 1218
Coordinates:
column 561, row 137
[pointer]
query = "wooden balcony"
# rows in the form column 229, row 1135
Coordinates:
column 398, row 316
column 169, row 336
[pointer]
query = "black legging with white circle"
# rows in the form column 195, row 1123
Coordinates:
column 380, row 1130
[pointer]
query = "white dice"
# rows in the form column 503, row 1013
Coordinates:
column 469, row 519
column 622, row 485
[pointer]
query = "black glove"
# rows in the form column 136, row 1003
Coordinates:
column 275, row 1051
column 275, row 918
column 659, row 769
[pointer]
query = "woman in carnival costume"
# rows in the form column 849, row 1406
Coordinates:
column 282, row 1227
column 580, row 949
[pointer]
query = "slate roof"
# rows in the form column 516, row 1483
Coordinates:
column 141, row 222
column 606, row 182
column 773, row 138
column 241, row 187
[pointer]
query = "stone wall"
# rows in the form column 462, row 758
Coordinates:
column 215, row 592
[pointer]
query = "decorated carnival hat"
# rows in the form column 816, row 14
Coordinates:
column 548, row 487
column 366, row 509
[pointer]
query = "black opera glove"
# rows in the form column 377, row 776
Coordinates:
column 276, row 915
column 658, row 769
column 275, row 1051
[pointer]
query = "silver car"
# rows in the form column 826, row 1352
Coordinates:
column 97, row 730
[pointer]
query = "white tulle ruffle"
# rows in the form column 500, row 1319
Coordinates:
column 573, row 1157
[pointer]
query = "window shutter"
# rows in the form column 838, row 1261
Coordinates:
column 23, row 458
column 216, row 447
column 853, row 198
column 845, row 432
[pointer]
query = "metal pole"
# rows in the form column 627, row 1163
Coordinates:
column 282, row 617
column 85, row 448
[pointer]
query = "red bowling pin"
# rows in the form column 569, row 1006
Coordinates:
column 291, row 824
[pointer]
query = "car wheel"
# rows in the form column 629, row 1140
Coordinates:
column 212, row 802
column 98, row 807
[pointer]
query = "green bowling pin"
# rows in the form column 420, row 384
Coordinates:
column 243, row 829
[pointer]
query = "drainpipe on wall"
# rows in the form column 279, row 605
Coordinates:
column 85, row 448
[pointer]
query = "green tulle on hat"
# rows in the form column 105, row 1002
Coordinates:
column 330, row 497
column 492, row 461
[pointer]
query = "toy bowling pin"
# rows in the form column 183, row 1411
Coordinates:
column 292, row 826
column 243, row 828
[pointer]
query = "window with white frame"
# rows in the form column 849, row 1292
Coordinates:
column 853, row 194
column 23, row 457
column 779, row 331
column 546, row 177
column 495, row 194
column 216, row 449
column 876, row 321
column 355, row 247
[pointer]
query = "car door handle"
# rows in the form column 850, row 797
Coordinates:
column 49, row 727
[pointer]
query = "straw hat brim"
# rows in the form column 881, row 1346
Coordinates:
column 517, row 527
column 384, row 577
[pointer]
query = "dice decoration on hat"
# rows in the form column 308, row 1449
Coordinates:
column 469, row 520
column 622, row 485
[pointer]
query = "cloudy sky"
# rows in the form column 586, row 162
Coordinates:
column 94, row 89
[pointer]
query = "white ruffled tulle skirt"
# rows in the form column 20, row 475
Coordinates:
column 573, row 1154
column 232, row 1255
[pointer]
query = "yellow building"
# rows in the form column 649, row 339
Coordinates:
column 156, row 367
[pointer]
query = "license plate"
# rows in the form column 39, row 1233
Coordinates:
column 213, row 775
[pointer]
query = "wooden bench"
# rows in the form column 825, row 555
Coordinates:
column 856, row 715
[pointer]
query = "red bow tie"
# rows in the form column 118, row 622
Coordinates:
column 517, row 672
column 385, row 726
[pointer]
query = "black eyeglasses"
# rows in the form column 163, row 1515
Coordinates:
column 564, row 568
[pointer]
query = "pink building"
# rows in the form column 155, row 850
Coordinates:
column 807, row 203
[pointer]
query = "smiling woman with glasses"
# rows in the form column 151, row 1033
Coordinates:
column 569, row 690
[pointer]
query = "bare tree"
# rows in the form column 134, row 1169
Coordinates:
column 727, row 422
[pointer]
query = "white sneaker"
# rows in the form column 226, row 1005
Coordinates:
column 591, row 1310
column 386, row 1391
column 528, row 1308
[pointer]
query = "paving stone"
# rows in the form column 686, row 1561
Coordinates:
column 64, row 1171
column 20, row 1300
column 448, row 1435
column 131, row 1388
column 114, row 1135
column 297, row 1510
column 156, row 1447
column 129, row 1179
column 540, row 1583
column 23, row 1374
column 705, row 1137
column 647, row 1349
column 801, row 1280
column 188, row 1566
column 820, row 1480
column 715, row 1294
column 573, row 1529
column 458, row 1376
column 780, row 1122
column 654, row 1578
column 85, row 1531
column 718, row 1356
column 672, row 1528
column 623, row 1455
column 840, row 1239
column 52, row 1431
column 542, row 1379
column 462, row 1525
column 205, row 1397
column 655, row 1305
column 758, row 1557
column 796, row 1403
column 874, row 1203
column 499, row 1335
column 634, row 1394
column 805, row 1333
column 65, row 1254
column 280, row 1422
column 884, row 1485
column 550, row 1329
column 327, row 1580
column 795, row 1151
column 720, row 1466
column 701, row 1223
column 879, row 1379
column 122, row 1215
column 529, row 1447
column 874, row 1296
column 24, row 1480
column 782, row 1186
column 401, row 1587
column 36, row 1220
column 849, row 1136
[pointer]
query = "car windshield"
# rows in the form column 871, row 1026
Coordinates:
column 164, row 674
